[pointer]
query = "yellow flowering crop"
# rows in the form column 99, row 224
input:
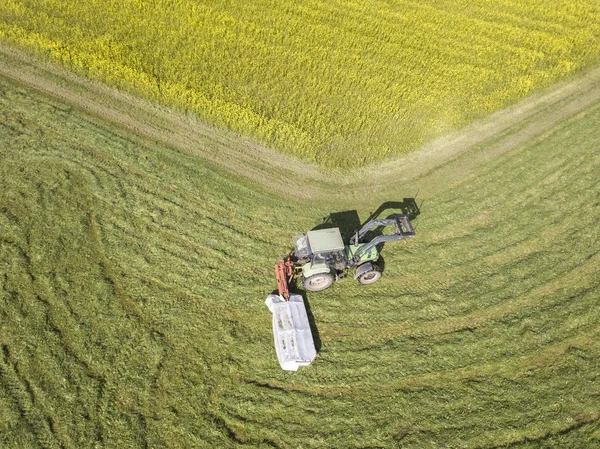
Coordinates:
column 337, row 82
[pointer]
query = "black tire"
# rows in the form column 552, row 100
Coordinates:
column 370, row 277
column 317, row 282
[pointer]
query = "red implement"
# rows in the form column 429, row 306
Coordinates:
column 284, row 272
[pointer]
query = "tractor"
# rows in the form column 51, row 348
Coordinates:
column 322, row 257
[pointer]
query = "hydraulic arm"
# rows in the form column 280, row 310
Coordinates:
column 401, row 225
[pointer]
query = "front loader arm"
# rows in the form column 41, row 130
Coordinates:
column 400, row 222
column 403, row 229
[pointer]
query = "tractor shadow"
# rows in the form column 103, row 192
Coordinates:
column 348, row 222
column 311, row 321
column 407, row 206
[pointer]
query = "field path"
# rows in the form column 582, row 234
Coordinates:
column 508, row 129
column 501, row 132
column 267, row 167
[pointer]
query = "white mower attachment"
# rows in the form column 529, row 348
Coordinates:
column 293, row 339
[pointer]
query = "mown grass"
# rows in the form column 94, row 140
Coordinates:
column 339, row 83
column 133, row 278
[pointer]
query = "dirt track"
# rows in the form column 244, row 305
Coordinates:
column 505, row 130
column 501, row 132
column 167, row 126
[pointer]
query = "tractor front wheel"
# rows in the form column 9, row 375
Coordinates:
column 317, row 282
column 369, row 277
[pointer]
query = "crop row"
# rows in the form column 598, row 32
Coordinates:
column 340, row 83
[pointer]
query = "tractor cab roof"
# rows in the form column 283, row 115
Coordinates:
column 325, row 240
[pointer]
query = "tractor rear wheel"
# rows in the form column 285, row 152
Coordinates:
column 317, row 282
column 369, row 277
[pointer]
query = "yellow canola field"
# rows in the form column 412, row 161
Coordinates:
column 340, row 83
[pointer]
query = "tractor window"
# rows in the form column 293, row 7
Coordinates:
column 336, row 259
column 339, row 257
column 321, row 257
column 301, row 246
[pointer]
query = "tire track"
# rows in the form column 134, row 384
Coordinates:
column 21, row 393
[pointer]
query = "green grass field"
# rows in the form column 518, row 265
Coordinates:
column 340, row 83
column 133, row 277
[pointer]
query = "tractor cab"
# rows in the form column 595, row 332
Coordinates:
column 324, row 246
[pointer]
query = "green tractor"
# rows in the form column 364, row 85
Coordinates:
column 322, row 256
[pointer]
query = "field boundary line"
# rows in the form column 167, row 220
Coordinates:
column 501, row 132
column 506, row 130
column 222, row 148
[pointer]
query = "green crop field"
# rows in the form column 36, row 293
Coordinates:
column 133, row 275
column 340, row 83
